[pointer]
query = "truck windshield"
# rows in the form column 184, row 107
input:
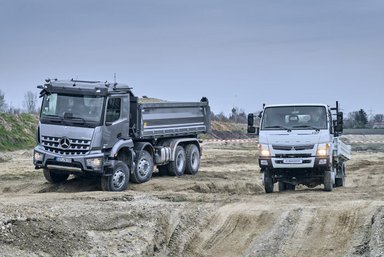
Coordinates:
column 79, row 110
column 294, row 117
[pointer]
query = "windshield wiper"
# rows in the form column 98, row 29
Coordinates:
column 53, row 117
column 277, row 127
column 307, row 126
column 76, row 118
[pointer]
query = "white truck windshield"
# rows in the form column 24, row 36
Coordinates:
column 294, row 117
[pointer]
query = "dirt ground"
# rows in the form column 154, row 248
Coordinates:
column 222, row 211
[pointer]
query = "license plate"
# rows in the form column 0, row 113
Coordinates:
column 293, row 161
column 62, row 159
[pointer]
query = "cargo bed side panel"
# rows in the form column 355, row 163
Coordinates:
column 173, row 119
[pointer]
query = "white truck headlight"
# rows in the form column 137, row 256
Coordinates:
column 95, row 163
column 38, row 157
column 323, row 150
column 264, row 150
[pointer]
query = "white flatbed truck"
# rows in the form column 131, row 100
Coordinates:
column 300, row 144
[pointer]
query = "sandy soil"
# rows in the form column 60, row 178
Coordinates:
column 222, row 211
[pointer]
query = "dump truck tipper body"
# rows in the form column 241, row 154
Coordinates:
column 96, row 128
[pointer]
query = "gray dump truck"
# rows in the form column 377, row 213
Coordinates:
column 100, row 128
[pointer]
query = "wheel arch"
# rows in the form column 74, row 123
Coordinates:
column 120, row 145
column 140, row 146
column 122, row 151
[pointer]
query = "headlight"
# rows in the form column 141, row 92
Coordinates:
column 323, row 150
column 95, row 163
column 264, row 150
column 38, row 157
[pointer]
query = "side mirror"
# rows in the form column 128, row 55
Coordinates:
column 340, row 118
column 251, row 120
column 339, row 128
column 339, row 122
column 260, row 114
column 253, row 130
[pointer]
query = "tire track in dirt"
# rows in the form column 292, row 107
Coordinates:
column 370, row 239
column 323, row 231
column 229, row 231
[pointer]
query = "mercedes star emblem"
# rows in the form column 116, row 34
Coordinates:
column 65, row 143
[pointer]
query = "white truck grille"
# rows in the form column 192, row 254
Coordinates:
column 292, row 148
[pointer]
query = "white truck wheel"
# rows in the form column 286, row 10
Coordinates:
column 328, row 183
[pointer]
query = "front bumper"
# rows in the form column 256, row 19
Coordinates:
column 68, row 163
column 294, row 163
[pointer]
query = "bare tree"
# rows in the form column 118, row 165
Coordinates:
column 378, row 118
column 3, row 104
column 29, row 103
column 238, row 115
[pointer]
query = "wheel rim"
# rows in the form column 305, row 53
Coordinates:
column 118, row 179
column 179, row 162
column 143, row 167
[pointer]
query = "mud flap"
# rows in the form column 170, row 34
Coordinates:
column 262, row 178
column 108, row 168
column 333, row 176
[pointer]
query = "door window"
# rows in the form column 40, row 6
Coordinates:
column 113, row 109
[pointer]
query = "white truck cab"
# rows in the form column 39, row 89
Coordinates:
column 299, row 144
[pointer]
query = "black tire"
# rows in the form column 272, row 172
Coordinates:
column 177, row 167
column 286, row 187
column 290, row 187
column 328, row 184
column 192, row 158
column 144, row 168
column 282, row 186
column 163, row 170
column 340, row 182
column 53, row 176
column 268, row 182
column 118, row 180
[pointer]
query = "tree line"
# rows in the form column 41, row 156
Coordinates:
column 29, row 104
column 355, row 119
column 360, row 119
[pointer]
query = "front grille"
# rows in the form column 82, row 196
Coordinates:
column 293, row 155
column 291, row 147
column 75, row 147
column 282, row 162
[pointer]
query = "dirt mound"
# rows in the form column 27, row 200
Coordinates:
column 228, row 130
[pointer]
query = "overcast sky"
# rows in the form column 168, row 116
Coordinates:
column 239, row 53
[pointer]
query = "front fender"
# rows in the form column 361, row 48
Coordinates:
column 140, row 146
column 121, row 144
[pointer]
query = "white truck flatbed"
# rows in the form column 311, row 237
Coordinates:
column 341, row 149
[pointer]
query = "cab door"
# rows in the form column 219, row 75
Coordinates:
column 116, row 120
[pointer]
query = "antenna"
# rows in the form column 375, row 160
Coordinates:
column 114, row 78
column 74, row 81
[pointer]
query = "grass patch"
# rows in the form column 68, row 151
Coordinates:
column 17, row 131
